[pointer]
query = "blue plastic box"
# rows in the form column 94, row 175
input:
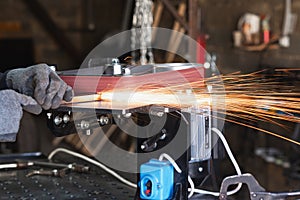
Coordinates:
column 156, row 180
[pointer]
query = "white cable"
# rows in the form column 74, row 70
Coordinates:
column 232, row 158
column 83, row 157
column 161, row 157
column 172, row 161
column 234, row 162
column 183, row 117
column 192, row 189
column 177, row 168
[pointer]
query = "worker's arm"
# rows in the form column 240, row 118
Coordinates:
column 29, row 89
column 12, row 105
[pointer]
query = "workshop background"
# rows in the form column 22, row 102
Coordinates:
column 63, row 32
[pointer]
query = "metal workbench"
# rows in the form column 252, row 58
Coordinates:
column 95, row 184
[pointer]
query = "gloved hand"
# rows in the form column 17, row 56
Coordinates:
column 41, row 83
column 11, row 105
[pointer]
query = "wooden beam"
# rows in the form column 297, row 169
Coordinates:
column 173, row 11
column 176, row 36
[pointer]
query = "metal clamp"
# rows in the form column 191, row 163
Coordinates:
column 257, row 192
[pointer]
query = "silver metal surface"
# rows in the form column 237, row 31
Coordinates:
column 174, row 66
column 156, row 68
column 200, row 128
column 98, row 70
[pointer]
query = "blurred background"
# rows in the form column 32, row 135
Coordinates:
column 63, row 32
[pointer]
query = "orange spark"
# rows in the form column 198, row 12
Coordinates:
column 254, row 97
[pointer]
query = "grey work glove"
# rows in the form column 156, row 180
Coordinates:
column 11, row 111
column 41, row 83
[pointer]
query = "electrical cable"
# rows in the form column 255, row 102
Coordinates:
column 183, row 117
column 234, row 162
column 171, row 160
column 192, row 186
column 192, row 190
column 177, row 168
column 232, row 158
column 83, row 157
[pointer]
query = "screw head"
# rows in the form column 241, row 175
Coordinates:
column 57, row 120
column 200, row 169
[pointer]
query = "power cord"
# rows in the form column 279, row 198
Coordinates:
column 192, row 188
column 234, row 162
column 177, row 168
column 83, row 157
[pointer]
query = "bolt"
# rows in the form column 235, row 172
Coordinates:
column 200, row 169
column 84, row 124
column 49, row 115
column 127, row 115
column 206, row 65
column 160, row 114
column 103, row 120
column 66, row 118
column 163, row 136
column 115, row 61
column 57, row 120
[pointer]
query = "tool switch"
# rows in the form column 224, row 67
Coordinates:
column 156, row 180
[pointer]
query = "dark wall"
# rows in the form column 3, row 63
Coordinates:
column 107, row 17
column 16, row 53
column 84, row 23
column 220, row 19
